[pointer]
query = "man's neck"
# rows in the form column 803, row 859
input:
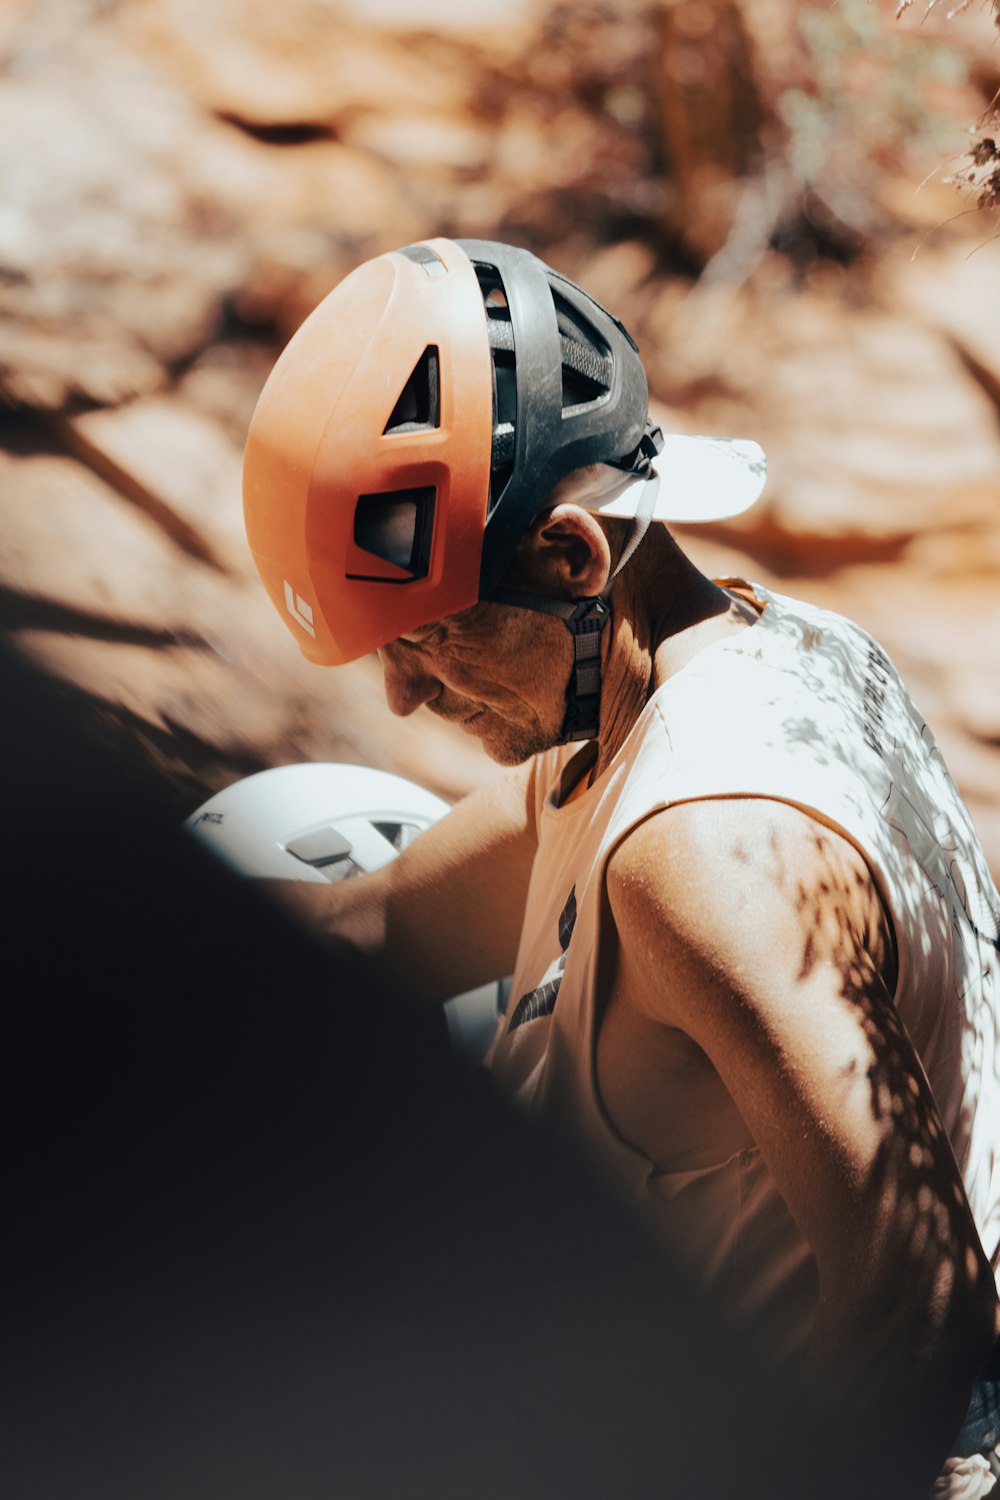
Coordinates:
column 661, row 619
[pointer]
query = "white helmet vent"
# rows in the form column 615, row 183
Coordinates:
column 323, row 846
column 399, row 835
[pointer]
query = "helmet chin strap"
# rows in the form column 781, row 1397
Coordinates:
column 585, row 619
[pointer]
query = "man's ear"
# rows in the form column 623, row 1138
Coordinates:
column 568, row 552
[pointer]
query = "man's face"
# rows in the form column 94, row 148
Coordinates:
column 496, row 671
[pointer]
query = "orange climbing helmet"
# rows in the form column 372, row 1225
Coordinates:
column 414, row 427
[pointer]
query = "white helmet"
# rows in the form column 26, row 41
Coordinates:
column 324, row 823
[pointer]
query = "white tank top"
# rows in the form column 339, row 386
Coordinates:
column 801, row 707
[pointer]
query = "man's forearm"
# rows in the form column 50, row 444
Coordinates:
column 349, row 920
column 894, row 1357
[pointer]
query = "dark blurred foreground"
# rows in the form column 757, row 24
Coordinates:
column 263, row 1240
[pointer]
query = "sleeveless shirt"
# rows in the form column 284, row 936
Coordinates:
column 801, row 707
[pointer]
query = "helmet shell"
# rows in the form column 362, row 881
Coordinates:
column 271, row 825
column 318, row 442
column 581, row 392
column 415, row 426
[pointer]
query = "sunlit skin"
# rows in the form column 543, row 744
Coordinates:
column 749, row 972
column 500, row 672
column 469, row 670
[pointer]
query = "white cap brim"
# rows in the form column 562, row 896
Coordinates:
column 700, row 479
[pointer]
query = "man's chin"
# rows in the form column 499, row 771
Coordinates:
column 510, row 746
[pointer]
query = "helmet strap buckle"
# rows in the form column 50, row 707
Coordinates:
column 584, row 619
column 583, row 694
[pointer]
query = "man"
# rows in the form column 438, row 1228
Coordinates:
column 750, row 915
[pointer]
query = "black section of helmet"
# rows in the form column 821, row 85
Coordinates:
column 569, row 390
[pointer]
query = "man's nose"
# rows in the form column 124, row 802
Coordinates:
column 408, row 683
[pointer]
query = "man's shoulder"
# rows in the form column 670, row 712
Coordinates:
column 681, row 859
column 742, row 888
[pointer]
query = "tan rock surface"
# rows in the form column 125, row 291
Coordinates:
column 73, row 542
column 300, row 63
column 174, row 463
column 118, row 254
column 955, row 289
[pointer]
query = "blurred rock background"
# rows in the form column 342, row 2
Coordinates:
column 756, row 186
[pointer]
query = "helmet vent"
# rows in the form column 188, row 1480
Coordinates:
column 418, row 408
column 587, row 366
column 495, row 299
column 397, row 528
column 325, row 849
column 423, row 255
column 399, row 835
column 579, row 389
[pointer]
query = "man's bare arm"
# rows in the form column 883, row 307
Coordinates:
column 446, row 915
column 759, row 933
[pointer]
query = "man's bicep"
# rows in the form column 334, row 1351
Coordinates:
column 760, row 934
column 732, row 932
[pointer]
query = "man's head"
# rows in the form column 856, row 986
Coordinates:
column 498, row 670
column 420, row 421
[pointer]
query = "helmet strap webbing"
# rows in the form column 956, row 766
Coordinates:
column 585, row 619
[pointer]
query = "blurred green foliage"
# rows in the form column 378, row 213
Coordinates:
column 867, row 105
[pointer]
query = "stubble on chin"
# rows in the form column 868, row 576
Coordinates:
column 512, row 745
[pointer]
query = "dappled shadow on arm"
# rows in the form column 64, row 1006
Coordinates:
column 907, row 1334
column 839, row 724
